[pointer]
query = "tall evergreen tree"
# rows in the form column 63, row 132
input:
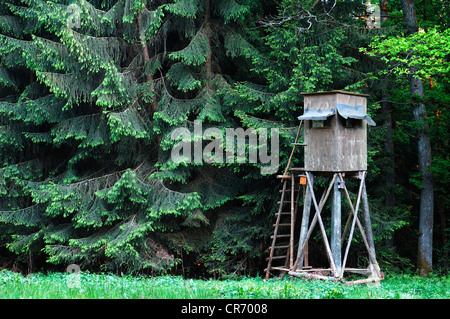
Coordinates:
column 91, row 92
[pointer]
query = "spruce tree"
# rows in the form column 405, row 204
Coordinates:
column 90, row 94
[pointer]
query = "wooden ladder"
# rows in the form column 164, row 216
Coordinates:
column 282, row 248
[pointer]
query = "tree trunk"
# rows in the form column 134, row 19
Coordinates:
column 425, row 249
column 146, row 58
column 386, row 108
column 389, row 199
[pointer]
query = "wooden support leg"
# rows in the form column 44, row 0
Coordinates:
column 317, row 218
column 355, row 214
column 375, row 269
column 305, row 223
column 324, row 198
column 291, row 240
column 336, row 249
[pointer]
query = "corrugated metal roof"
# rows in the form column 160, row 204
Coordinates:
column 346, row 111
column 316, row 115
column 354, row 112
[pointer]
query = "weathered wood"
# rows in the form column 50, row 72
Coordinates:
column 316, row 215
column 321, row 226
column 279, row 268
column 304, row 223
column 293, row 149
column 281, row 236
column 276, row 230
column 360, row 227
column 312, row 276
column 353, row 223
column 358, row 271
column 370, row 242
column 275, row 257
column 317, row 270
column 291, row 240
column 362, row 281
column 336, row 226
column 335, row 148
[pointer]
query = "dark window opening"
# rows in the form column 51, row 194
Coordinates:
column 349, row 122
column 321, row 124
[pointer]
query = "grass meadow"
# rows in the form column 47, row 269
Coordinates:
column 106, row 286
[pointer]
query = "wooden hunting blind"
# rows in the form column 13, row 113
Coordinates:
column 335, row 131
column 335, row 146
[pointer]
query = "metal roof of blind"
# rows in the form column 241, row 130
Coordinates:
column 346, row 111
column 316, row 115
column 354, row 112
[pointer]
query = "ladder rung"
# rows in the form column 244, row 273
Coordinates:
column 282, row 236
column 282, row 224
column 278, row 268
column 280, row 247
column 284, row 176
column 286, row 202
column 283, row 213
column 276, row 257
column 288, row 190
column 299, row 144
column 297, row 169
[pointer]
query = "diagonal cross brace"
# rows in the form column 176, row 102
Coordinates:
column 317, row 218
column 360, row 227
column 352, row 229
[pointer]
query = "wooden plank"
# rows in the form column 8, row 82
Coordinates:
column 318, row 270
column 321, row 145
column 335, row 237
column 317, row 218
column 363, row 235
column 322, row 228
column 370, row 242
column 336, row 148
column 293, row 148
column 291, row 242
column 362, row 281
column 304, row 224
column 312, row 276
column 281, row 236
column 283, row 213
column 280, row 268
column 276, row 231
column 277, row 257
column 353, row 223
column 358, row 271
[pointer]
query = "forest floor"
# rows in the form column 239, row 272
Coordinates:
column 106, row 286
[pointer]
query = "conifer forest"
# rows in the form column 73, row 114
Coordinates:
column 91, row 92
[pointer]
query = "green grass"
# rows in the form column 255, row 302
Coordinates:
column 105, row 286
